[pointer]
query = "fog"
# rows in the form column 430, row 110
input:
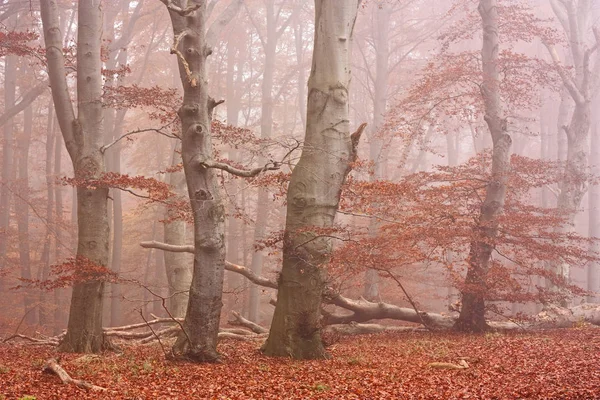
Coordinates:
column 474, row 180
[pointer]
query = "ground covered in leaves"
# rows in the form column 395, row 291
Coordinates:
column 561, row 364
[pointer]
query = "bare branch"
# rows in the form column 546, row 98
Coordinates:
column 567, row 80
column 239, row 269
column 27, row 99
column 242, row 173
column 157, row 130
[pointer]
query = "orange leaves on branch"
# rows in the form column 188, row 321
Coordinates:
column 429, row 215
column 17, row 43
column 74, row 270
column 155, row 189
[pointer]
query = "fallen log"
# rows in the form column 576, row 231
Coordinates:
column 241, row 321
column 362, row 311
column 53, row 367
column 354, row 328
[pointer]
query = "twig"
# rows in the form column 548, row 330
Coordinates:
column 154, row 333
column 157, row 130
column 410, row 300
column 20, row 323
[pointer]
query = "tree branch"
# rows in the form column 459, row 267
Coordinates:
column 567, row 80
column 26, row 100
column 239, row 269
column 157, row 130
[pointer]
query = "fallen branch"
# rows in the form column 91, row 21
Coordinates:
column 53, row 366
column 241, row 321
column 353, row 328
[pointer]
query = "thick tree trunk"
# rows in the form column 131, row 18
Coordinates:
column 198, row 342
column 472, row 313
column 315, row 186
column 83, row 137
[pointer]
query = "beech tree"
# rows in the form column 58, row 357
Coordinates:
column 580, row 86
column 83, row 135
column 315, row 186
column 198, row 340
column 472, row 312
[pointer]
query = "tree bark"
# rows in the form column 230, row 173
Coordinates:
column 83, row 137
column 472, row 313
column 315, row 186
column 198, row 342
column 178, row 266
column 10, row 88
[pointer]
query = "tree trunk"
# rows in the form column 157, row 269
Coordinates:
column 315, row 186
column 575, row 17
column 382, row 18
column 472, row 313
column 10, row 88
column 22, row 210
column 44, row 270
column 83, row 137
column 266, row 126
column 593, row 269
column 198, row 342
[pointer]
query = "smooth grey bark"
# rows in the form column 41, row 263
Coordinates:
column 472, row 312
column 22, row 210
column 299, row 43
column 177, row 266
column 315, row 186
column 83, row 136
column 198, row 341
column 10, row 88
column 382, row 54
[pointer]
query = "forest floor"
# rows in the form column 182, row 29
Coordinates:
column 556, row 364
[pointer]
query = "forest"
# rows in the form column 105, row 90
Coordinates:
column 289, row 199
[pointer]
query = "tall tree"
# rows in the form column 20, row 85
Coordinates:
column 315, row 186
column 581, row 86
column 10, row 88
column 83, row 135
column 198, row 341
column 472, row 313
